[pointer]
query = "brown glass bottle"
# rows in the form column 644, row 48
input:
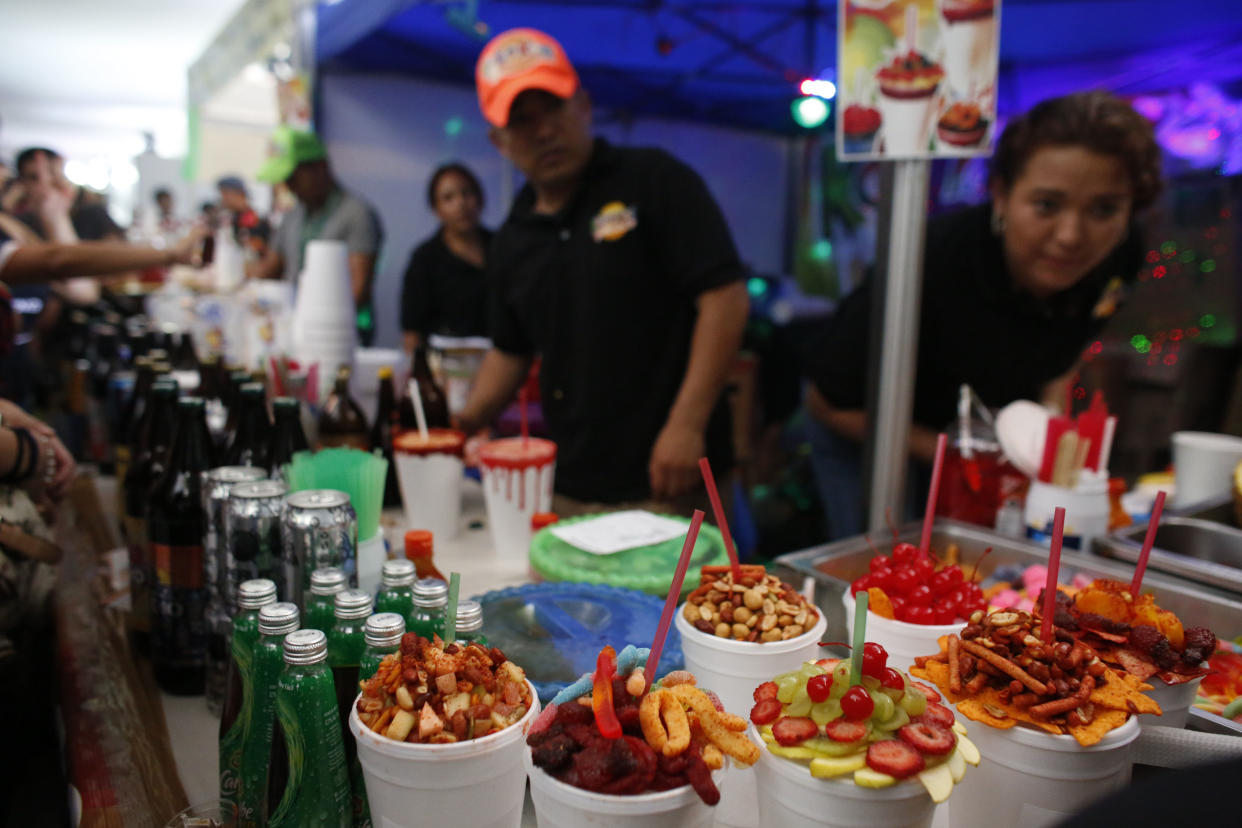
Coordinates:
column 382, row 430
column 288, row 438
column 435, row 403
column 250, row 441
column 341, row 422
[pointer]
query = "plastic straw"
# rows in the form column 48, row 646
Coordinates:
column 1054, row 564
column 718, row 510
column 1152, row 525
column 1106, row 448
column 450, row 611
column 419, row 415
column 912, row 27
column 674, row 595
column 522, row 414
column 860, row 635
column 929, row 515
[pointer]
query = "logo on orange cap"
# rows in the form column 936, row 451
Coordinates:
column 518, row 60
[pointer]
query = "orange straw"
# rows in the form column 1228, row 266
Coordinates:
column 1152, row 525
column 1054, row 564
column 674, row 595
column 714, row 496
column 929, row 515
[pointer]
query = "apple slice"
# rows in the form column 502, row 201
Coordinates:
column 957, row 765
column 938, row 781
column 826, row 768
column 867, row 778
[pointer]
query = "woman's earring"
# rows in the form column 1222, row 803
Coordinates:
column 998, row 223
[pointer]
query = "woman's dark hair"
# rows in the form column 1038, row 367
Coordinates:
column 1098, row 121
column 453, row 167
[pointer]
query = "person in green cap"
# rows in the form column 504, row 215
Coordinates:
column 324, row 211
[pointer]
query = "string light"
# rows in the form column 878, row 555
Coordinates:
column 809, row 112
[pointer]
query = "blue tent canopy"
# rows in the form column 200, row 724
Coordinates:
column 738, row 62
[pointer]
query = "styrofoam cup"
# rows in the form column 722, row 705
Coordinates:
column 903, row 641
column 1174, row 700
column 1203, row 465
column 429, row 476
column 517, row 482
column 324, row 284
column 475, row 784
column 558, row 805
column 789, row 797
column 1032, row 778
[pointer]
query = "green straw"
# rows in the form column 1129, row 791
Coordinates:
column 450, row 611
column 860, row 635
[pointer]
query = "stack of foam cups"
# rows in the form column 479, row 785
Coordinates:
column 324, row 331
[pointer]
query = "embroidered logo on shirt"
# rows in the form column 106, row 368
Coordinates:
column 613, row 221
column 1110, row 299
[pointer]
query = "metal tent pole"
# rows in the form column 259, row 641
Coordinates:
column 892, row 387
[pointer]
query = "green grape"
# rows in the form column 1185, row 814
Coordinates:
column 871, row 683
column 914, row 703
column 786, row 689
column 810, row 668
column 800, row 706
column 830, row 748
column 826, row 711
column 884, row 706
column 899, row 719
column 841, row 674
column 894, row 693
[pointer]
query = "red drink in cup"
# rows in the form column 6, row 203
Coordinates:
column 429, row 472
column 517, row 482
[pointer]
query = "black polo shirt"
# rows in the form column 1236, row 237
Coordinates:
column 605, row 292
column 442, row 293
column 975, row 326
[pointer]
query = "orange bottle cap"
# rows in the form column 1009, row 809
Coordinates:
column 418, row 543
column 541, row 519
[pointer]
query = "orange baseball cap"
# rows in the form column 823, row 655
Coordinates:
column 518, row 60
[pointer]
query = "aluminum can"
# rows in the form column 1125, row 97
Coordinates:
column 217, row 483
column 319, row 528
column 252, row 546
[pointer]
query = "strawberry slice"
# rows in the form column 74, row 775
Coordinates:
column 936, row 714
column 843, row 730
column 894, row 757
column 767, row 690
column 927, row 690
column 765, row 711
column 794, row 730
column 928, row 738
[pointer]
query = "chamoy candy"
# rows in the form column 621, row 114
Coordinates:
column 882, row 731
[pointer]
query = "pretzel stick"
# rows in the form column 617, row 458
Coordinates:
column 977, row 683
column 1005, row 666
column 1054, row 708
column 955, row 664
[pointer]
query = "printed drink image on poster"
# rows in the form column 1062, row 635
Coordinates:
column 917, row 78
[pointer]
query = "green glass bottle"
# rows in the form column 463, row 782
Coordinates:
column 396, row 592
column 346, row 641
column 430, row 599
column 383, row 636
column 317, row 793
column 264, row 758
column 319, row 613
column 252, row 596
column 470, row 623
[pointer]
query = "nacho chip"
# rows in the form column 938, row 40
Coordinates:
column 1104, row 722
column 879, row 603
column 1122, row 692
column 975, row 710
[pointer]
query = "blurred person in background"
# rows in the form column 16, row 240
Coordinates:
column 445, row 287
column 324, row 210
column 250, row 230
column 46, row 196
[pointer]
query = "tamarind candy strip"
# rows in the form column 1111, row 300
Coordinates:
column 955, row 664
column 977, row 683
column 1005, row 666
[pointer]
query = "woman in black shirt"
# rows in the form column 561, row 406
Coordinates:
column 445, row 288
column 1013, row 290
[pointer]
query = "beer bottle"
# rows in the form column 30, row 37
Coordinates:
column 435, row 403
column 320, row 610
column 385, row 426
column 419, row 548
column 237, row 378
column 317, row 792
column 175, row 527
column 250, row 440
column 264, row 759
column 252, row 596
column 396, row 593
column 149, row 454
column 102, row 359
column 131, row 411
column 288, row 438
column 342, row 423
column 430, row 601
column 470, row 623
column 383, row 637
column 346, row 641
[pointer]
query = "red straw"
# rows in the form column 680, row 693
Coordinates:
column 522, row 413
column 710, row 482
column 930, row 514
column 1152, row 525
column 674, row 595
column 1054, row 564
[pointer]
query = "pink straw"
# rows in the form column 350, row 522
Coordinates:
column 674, row 595
column 522, row 411
column 714, row 496
column 929, row 515
column 1054, row 564
column 912, row 27
column 1152, row 525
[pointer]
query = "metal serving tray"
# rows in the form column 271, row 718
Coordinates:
column 1189, row 547
column 833, row 566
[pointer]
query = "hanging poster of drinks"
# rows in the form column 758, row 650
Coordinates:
column 916, row 78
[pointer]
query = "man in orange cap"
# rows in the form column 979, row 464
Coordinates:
column 616, row 267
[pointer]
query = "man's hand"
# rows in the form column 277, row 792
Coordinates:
column 674, row 465
column 189, row 250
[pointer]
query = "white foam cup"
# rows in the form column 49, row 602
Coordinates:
column 1174, row 700
column 324, row 284
column 902, row 641
column 558, row 805
column 517, row 483
column 1203, row 465
column 429, row 476
column 1032, row 778
column 789, row 797
column 476, row 784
